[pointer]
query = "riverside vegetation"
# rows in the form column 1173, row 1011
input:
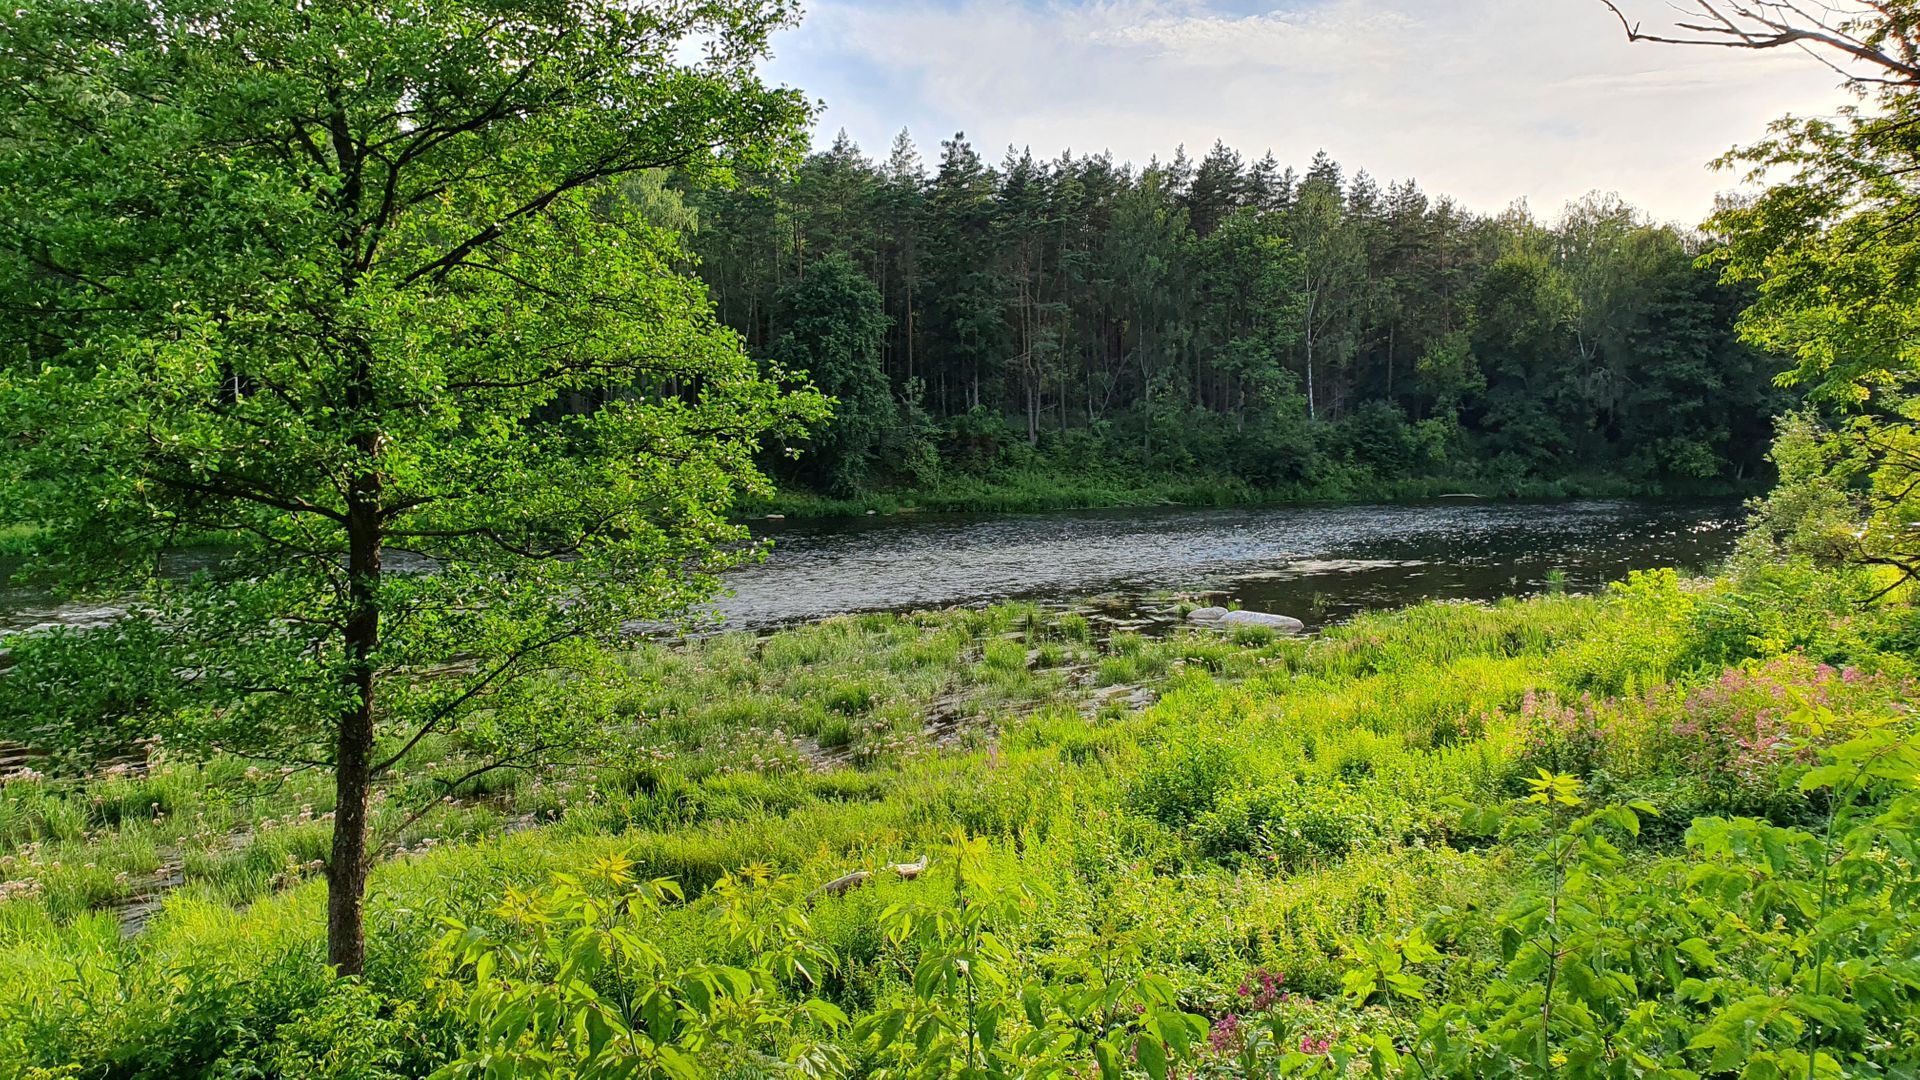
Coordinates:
column 393, row 304
column 1667, row 830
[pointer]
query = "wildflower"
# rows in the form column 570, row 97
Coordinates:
column 1270, row 983
column 1225, row 1033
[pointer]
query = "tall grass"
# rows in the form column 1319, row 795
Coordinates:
column 1276, row 799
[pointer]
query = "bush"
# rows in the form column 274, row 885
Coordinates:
column 1335, row 807
column 1184, row 779
column 1763, row 950
column 1289, row 827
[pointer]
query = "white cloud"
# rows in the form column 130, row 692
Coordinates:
column 1485, row 100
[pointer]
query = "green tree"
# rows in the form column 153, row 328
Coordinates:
column 1220, row 186
column 901, row 202
column 833, row 195
column 1832, row 251
column 1028, row 227
column 1333, row 273
column 339, row 284
column 834, row 330
column 1147, row 308
column 1521, row 340
column 1253, row 282
column 966, row 323
column 1150, row 290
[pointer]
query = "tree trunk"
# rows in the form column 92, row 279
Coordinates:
column 1390, row 337
column 1312, row 412
column 347, row 869
column 353, row 756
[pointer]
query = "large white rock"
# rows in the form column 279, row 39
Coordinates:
column 1285, row 624
column 1219, row 616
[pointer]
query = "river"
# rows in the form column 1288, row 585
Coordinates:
column 1319, row 564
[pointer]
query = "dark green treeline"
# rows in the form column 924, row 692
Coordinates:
column 1309, row 333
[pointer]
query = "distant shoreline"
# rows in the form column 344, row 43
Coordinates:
column 1032, row 493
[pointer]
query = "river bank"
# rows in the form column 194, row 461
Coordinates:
column 1199, row 806
column 1029, row 492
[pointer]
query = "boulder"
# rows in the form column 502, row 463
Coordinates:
column 1285, row 624
column 1217, row 616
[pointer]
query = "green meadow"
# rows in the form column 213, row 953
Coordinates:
column 1262, row 855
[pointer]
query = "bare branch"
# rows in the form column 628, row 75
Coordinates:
column 1761, row 26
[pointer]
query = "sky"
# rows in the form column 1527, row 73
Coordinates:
column 1487, row 101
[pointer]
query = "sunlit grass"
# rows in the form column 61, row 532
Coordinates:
column 1196, row 803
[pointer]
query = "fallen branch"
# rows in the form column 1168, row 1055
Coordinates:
column 846, row 883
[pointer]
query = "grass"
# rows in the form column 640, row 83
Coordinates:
column 858, row 690
column 1263, row 804
column 1035, row 490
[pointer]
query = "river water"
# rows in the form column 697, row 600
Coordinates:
column 1319, row 564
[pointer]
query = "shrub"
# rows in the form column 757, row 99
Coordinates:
column 1289, row 827
column 1185, row 779
column 1763, row 950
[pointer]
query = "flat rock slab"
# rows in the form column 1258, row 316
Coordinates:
column 1219, row 616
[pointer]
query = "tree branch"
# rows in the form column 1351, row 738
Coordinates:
column 1748, row 27
column 473, row 691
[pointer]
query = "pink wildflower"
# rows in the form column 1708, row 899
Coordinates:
column 1225, row 1033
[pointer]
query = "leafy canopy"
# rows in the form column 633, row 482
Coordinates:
column 1831, row 249
column 356, row 292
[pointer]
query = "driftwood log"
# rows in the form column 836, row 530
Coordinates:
column 846, row 883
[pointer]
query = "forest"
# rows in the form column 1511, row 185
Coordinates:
column 1294, row 333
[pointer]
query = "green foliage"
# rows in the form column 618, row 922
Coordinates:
column 969, row 1014
column 362, row 294
column 578, row 990
column 1292, row 827
column 1184, row 779
column 834, row 328
column 1079, row 332
column 1353, row 810
column 1764, row 950
column 1829, row 250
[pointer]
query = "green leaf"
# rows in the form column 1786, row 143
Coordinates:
column 1152, row 1056
column 826, row 1012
